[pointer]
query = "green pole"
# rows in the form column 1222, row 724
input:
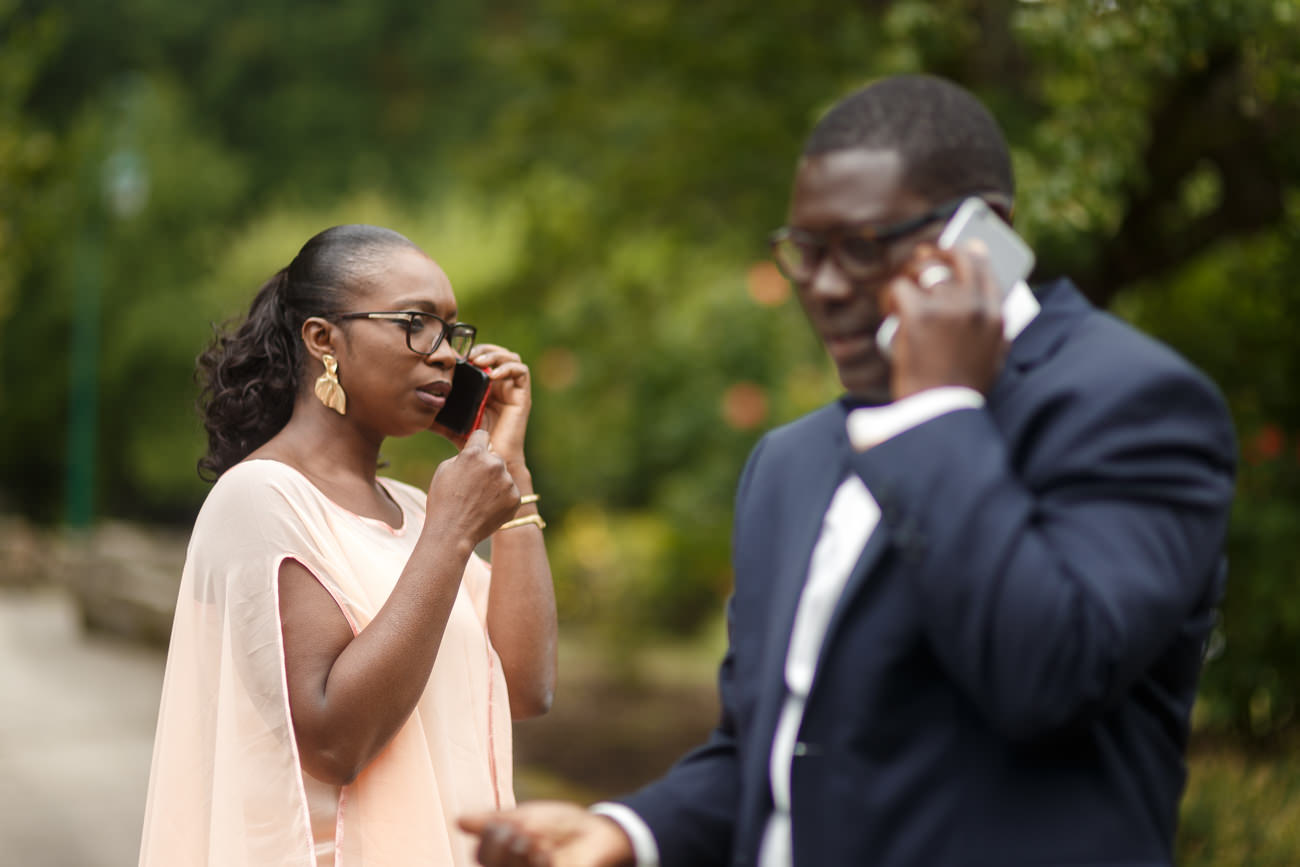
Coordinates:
column 118, row 176
column 83, row 390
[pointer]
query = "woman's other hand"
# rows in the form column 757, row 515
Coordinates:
column 510, row 401
column 472, row 493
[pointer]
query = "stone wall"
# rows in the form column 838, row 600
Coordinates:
column 124, row 577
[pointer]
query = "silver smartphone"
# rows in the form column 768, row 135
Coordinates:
column 1010, row 258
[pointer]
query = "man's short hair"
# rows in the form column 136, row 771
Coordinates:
column 949, row 142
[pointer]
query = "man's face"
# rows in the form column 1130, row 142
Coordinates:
column 835, row 193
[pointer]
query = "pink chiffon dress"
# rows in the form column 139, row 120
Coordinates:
column 226, row 788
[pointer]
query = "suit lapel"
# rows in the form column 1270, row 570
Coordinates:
column 1062, row 306
column 877, row 544
column 819, row 469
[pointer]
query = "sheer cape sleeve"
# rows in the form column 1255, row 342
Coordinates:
column 225, row 786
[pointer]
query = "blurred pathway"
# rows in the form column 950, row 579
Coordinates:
column 77, row 715
column 76, row 733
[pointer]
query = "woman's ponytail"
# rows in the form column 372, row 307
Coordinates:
column 249, row 378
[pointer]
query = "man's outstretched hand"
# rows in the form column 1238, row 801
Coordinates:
column 548, row 834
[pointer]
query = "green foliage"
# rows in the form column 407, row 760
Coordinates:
column 597, row 180
column 1240, row 808
column 101, row 255
column 323, row 98
column 680, row 116
column 1233, row 313
column 26, row 147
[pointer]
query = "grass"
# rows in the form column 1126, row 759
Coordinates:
column 1242, row 807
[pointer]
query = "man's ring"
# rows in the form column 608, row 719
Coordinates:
column 932, row 275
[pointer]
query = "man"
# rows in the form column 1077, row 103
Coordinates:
column 970, row 597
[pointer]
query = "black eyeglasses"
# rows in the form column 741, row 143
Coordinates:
column 860, row 251
column 425, row 331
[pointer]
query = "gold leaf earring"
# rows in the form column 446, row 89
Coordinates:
column 328, row 387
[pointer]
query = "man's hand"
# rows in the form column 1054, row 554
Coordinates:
column 950, row 328
column 548, row 834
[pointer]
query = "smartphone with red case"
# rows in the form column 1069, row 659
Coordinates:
column 463, row 411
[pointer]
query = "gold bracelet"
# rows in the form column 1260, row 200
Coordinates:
column 528, row 498
column 526, row 519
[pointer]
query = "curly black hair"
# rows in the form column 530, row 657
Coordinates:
column 950, row 144
column 251, row 372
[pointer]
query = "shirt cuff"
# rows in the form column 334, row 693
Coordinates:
column 872, row 425
column 643, row 839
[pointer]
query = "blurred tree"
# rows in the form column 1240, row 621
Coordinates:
column 1235, row 313
column 28, row 153
column 698, row 114
column 1160, row 131
column 26, row 147
column 598, row 179
column 317, row 98
column 147, row 262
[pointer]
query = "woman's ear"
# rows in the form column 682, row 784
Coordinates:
column 320, row 336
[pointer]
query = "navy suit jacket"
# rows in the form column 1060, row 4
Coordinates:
column 1009, row 674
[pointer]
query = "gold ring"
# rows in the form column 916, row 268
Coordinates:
column 932, row 275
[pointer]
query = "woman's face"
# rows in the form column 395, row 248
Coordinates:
column 392, row 391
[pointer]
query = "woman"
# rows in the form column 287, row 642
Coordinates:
column 340, row 680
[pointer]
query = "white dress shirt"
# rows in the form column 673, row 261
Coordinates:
column 849, row 522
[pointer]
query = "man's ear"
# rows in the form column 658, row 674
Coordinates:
column 1002, row 205
column 320, row 336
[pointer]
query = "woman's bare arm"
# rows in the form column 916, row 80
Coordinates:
column 521, row 610
column 348, row 695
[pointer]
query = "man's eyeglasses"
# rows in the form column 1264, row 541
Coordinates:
column 860, row 251
column 426, row 331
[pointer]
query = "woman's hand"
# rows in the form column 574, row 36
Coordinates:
column 510, row 402
column 473, row 493
column 510, row 399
